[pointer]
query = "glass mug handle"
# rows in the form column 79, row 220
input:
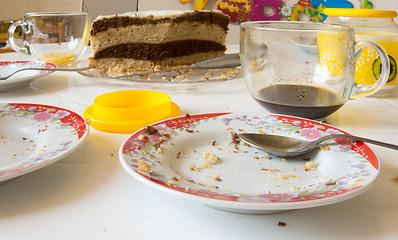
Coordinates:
column 10, row 37
column 362, row 91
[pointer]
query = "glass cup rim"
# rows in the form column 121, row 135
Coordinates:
column 295, row 26
column 65, row 13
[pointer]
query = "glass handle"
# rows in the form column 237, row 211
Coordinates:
column 10, row 37
column 360, row 91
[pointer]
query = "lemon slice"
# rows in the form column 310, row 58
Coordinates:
column 58, row 58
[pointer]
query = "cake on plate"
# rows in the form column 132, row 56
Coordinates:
column 154, row 40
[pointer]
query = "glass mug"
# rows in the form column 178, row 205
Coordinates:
column 58, row 37
column 304, row 69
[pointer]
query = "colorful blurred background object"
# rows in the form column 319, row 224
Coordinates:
column 275, row 10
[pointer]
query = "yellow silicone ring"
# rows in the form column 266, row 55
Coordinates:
column 131, row 105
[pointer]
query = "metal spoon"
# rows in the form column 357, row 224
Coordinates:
column 288, row 147
column 5, row 77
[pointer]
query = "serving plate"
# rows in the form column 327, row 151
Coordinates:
column 243, row 179
column 33, row 136
column 24, row 78
column 183, row 78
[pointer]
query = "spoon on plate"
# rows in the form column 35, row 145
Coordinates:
column 282, row 146
column 5, row 77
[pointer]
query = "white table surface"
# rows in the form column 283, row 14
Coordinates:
column 88, row 195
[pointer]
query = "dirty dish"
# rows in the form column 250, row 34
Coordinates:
column 199, row 158
column 24, row 78
column 53, row 134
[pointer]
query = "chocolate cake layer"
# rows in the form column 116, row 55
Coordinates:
column 155, row 52
column 123, row 21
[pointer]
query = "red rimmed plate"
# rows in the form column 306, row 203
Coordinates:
column 33, row 136
column 244, row 179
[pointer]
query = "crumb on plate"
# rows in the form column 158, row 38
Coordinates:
column 194, row 168
column 210, row 159
column 309, row 166
column 143, row 166
column 150, row 130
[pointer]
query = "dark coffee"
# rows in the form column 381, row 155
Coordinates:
column 299, row 100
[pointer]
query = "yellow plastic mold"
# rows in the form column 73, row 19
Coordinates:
column 129, row 110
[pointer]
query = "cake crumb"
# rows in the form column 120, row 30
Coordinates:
column 194, row 168
column 284, row 160
column 235, row 138
column 176, row 179
column 330, row 183
column 150, row 130
column 324, row 148
column 309, row 166
column 281, row 224
column 160, row 150
column 210, row 159
column 294, row 176
column 218, row 179
column 395, row 179
column 143, row 166
column 281, row 177
column 270, row 170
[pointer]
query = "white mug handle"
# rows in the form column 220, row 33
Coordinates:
column 11, row 40
column 366, row 90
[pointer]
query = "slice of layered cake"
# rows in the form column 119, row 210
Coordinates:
column 153, row 40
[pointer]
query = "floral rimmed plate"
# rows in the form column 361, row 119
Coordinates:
column 185, row 78
column 33, row 136
column 177, row 158
column 24, row 78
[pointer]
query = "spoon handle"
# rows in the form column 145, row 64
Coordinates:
column 45, row 69
column 375, row 142
column 223, row 61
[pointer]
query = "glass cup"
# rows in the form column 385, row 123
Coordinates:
column 304, row 69
column 57, row 37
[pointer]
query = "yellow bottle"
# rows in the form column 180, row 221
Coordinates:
column 371, row 25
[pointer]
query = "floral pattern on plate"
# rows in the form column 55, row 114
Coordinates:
column 244, row 176
column 34, row 136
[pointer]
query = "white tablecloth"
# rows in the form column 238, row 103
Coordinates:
column 88, row 195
